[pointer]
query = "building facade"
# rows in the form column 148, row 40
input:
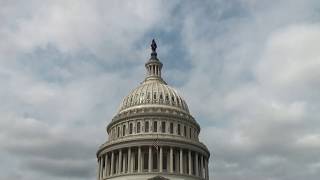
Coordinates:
column 153, row 135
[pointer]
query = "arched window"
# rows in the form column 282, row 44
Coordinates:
column 130, row 128
column 179, row 130
column 190, row 134
column 146, row 126
column 138, row 127
column 155, row 126
column 118, row 131
column 171, row 128
column 123, row 130
column 185, row 131
column 163, row 126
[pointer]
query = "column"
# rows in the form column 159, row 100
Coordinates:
column 106, row 165
column 197, row 165
column 171, row 160
column 207, row 169
column 98, row 169
column 101, row 167
column 201, row 166
column 124, row 160
column 120, row 161
column 181, row 161
column 139, row 159
column 112, row 162
column 129, row 160
column 150, row 159
column 189, row 158
column 160, row 160
column 176, row 161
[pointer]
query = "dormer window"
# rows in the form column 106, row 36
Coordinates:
column 154, row 95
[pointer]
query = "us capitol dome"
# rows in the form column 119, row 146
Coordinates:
column 153, row 136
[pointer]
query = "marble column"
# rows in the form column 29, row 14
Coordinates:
column 98, row 168
column 124, row 160
column 201, row 166
column 120, row 161
column 189, row 158
column 181, row 161
column 197, row 164
column 207, row 169
column 171, row 160
column 112, row 163
column 176, row 161
column 129, row 160
column 101, row 167
column 160, row 160
column 106, row 165
column 139, row 159
column 150, row 159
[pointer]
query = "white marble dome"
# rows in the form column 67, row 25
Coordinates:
column 154, row 93
column 153, row 136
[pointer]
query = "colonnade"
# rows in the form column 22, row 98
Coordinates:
column 148, row 159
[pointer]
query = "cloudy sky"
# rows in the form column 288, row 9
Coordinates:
column 249, row 70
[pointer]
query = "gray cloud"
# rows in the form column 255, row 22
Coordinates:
column 64, row 67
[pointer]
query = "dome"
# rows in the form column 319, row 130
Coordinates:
column 154, row 93
column 153, row 135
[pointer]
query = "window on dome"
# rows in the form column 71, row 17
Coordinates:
column 172, row 99
column 179, row 131
column 130, row 128
column 146, row 126
column 123, row 130
column 138, row 127
column 195, row 134
column 167, row 97
column 171, row 128
column 185, row 131
column 190, row 133
column 161, row 96
column 154, row 95
column 118, row 131
column 155, row 126
column 163, row 126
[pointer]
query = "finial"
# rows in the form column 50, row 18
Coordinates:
column 153, row 48
column 153, row 45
